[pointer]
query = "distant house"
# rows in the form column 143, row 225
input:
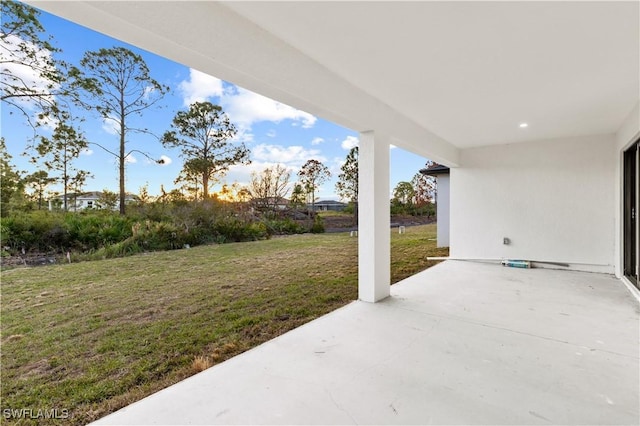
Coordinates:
column 87, row 200
column 328, row 205
column 270, row 203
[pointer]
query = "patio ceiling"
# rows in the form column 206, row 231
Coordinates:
column 472, row 71
column 434, row 76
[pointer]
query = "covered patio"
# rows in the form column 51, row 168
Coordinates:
column 532, row 106
column 460, row 343
column 535, row 108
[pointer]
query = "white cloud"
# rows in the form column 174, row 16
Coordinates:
column 349, row 142
column 148, row 91
column 294, row 155
column 243, row 135
column 47, row 122
column 130, row 159
column 242, row 173
column 163, row 160
column 265, row 155
column 15, row 72
column 110, row 126
column 86, row 152
column 317, row 141
column 272, row 133
column 200, row 87
column 257, row 166
column 335, row 165
column 245, row 108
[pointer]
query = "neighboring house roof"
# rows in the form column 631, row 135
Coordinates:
column 271, row 200
column 435, row 170
column 85, row 195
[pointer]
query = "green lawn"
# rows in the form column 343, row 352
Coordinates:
column 93, row 337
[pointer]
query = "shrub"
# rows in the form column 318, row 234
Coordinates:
column 257, row 231
column 349, row 208
column 93, row 230
column 318, row 225
column 157, row 235
column 234, row 229
column 121, row 249
column 284, row 227
column 427, row 209
column 37, row 230
column 102, row 234
column 59, row 232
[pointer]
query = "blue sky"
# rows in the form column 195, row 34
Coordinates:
column 274, row 132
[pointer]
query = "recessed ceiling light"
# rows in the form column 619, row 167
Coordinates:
column 523, row 125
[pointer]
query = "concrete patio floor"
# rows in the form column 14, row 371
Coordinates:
column 461, row 343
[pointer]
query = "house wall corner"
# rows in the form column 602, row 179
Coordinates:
column 552, row 199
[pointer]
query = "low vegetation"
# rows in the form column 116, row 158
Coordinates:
column 100, row 234
column 92, row 337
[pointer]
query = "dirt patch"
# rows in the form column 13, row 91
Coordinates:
column 13, row 337
column 37, row 368
column 35, row 259
column 346, row 223
column 402, row 220
column 338, row 223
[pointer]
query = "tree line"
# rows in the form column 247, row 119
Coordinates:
column 116, row 86
column 416, row 197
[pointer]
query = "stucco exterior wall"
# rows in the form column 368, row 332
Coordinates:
column 442, row 205
column 553, row 199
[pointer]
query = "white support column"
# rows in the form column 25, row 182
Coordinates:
column 374, row 251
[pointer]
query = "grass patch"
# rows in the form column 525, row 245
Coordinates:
column 93, row 337
column 409, row 251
